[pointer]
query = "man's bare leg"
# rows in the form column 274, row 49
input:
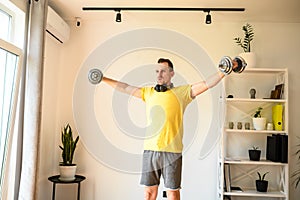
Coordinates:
column 173, row 194
column 150, row 192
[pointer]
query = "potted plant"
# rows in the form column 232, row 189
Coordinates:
column 67, row 167
column 254, row 154
column 296, row 174
column 259, row 122
column 245, row 43
column 261, row 183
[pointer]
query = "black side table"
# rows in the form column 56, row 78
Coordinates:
column 55, row 180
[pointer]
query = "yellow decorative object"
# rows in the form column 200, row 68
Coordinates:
column 277, row 117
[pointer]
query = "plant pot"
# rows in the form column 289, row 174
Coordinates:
column 259, row 123
column 254, row 155
column 261, row 185
column 67, row 173
column 250, row 58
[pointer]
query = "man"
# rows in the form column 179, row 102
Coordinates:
column 165, row 105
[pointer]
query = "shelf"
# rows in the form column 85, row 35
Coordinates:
column 228, row 100
column 235, row 168
column 254, row 193
column 249, row 162
column 254, row 131
column 265, row 70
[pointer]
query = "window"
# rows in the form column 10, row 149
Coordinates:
column 10, row 67
column 8, row 71
column 5, row 20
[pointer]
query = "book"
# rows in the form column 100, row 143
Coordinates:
column 227, row 177
column 236, row 189
column 277, row 148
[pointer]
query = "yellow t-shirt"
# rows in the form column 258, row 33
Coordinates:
column 165, row 118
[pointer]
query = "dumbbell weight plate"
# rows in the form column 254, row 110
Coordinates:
column 241, row 64
column 225, row 65
column 95, row 76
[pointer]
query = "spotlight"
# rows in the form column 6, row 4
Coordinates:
column 208, row 18
column 118, row 16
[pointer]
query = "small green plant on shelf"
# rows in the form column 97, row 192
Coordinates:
column 254, row 153
column 261, row 183
column 255, row 148
column 248, row 37
column 262, row 177
column 257, row 113
column 259, row 122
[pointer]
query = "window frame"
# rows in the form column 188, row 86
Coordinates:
column 13, row 46
column 12, row 49
column 13, row 22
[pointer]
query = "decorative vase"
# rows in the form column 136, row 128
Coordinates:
column 259, row 123
column 261, row 185
column 254, row 155
column 250, row 58
column 67, row 173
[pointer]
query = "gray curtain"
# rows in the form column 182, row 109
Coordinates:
column 30, row 105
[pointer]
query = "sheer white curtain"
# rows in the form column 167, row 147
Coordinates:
column 33, row 98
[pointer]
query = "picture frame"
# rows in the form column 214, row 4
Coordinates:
column 278, row 92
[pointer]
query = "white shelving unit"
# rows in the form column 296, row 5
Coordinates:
column 235, row 143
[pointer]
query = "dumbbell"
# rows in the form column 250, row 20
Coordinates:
column 95, row 76
column 226, row 65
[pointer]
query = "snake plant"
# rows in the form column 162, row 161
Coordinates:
column 261, row 177
column 68, row 145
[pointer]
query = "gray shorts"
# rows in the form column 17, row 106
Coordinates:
column 165, row 164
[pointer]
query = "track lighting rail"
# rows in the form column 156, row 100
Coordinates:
column 163, row 9
column 208, row 19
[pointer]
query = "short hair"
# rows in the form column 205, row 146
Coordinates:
column 170, row 64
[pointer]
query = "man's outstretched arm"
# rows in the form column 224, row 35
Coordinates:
column 123, row 87
column 212, row 81
column 202, row 86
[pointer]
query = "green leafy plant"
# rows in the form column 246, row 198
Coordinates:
column 261, row 177
column 254, row 153
column 257, row 113
column 296, row 174
column 255, row 148
column 68, row 145
column 261, row 183
column 249, row 35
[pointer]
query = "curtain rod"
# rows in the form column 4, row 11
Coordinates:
column 162, row 9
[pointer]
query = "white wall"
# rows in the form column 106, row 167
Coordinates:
column 276, row 45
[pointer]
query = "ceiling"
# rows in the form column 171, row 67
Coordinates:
column 285, row 11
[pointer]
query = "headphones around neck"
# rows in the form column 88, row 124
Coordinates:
column 162, row 88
